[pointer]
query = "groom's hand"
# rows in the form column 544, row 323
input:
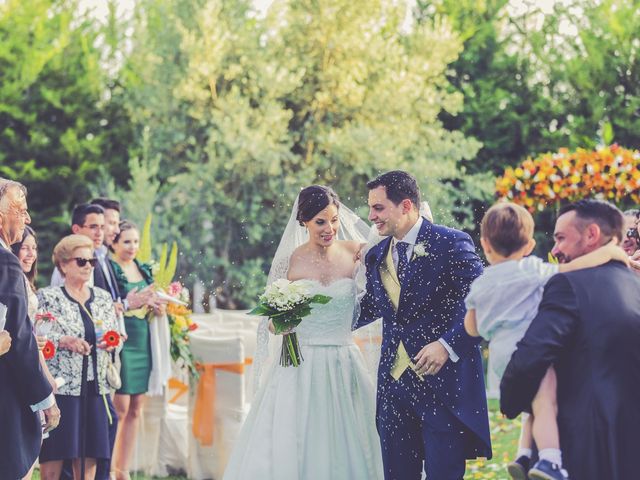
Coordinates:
column 431, row 358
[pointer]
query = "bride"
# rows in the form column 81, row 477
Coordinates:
column 315, row 421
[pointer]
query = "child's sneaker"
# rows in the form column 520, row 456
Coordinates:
column 519, row 467
column 545, row 470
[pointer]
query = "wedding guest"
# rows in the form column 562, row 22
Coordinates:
column 24, row 389
column 588, row 327
column 87, row 220
column 83, row 314
column 500, row 306
column 631, row 242
column 111, row 209
column 27, row 252
column 108, row 282
column 90, row 220
column 136, row 353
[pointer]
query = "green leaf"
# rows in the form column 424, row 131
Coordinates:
column 607, row 133
column 260, row 310
column 144, row 254
column 321, row 299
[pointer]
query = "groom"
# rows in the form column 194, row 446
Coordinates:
column 431, row 403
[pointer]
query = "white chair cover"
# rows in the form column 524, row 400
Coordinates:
column 209, row 461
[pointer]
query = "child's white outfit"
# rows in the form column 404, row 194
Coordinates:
column 506, row 298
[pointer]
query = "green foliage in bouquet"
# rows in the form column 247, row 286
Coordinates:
column 286, row 303
column 283, row 321
column 179, row 316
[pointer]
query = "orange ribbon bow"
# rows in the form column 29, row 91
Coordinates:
column 205, row 407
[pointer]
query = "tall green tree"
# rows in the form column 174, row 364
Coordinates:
column 54, row 128
column 331, row 92
column 589, row 50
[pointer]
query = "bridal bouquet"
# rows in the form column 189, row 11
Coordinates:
column 286, row 303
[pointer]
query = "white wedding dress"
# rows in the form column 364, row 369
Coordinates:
column 315, row 421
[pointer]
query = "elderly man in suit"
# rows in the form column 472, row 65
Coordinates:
column 588, row 327
column 24, row 389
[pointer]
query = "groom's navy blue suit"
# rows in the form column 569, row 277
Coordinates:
column 442, row 419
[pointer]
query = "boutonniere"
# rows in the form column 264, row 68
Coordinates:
column 420, row 250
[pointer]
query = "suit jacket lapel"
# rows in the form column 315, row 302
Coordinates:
column 98, row 278
column 115, row 292
column 416, row 261
column 380, row 252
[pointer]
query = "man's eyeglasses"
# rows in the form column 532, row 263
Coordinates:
column 94, row 227
column 81, row 262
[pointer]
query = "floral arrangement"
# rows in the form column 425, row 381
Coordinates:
column 286, row 303
column 178, row 313
column 43, row 323
column 180, row 324
column 609, row 173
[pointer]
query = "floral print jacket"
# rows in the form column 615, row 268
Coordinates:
column 67, row 364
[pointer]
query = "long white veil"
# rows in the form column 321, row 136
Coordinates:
column 352, row 227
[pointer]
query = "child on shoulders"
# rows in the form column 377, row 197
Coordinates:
column 501, row 304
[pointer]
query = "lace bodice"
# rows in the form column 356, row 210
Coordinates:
column 330, row 324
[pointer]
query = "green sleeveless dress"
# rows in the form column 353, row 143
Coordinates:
column 136, row 351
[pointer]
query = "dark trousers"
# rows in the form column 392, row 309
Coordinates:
column 103, row 467
column 416, row 427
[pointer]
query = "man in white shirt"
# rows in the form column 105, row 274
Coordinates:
column 24, row 389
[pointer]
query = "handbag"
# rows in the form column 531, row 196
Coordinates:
column 113, row 373
column 113, row 368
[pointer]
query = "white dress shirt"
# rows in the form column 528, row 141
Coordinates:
column 411, row 238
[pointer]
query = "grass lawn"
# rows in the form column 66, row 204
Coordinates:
column 504, row 436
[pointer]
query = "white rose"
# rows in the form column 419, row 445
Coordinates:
column 420, row 250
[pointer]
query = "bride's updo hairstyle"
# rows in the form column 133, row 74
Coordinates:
column 312, row 200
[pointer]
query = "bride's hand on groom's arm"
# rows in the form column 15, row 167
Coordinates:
column 431, row 358
column 359, row 253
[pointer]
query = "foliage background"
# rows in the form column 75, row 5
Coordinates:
column 213, row 116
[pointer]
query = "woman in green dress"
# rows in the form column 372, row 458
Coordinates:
column 136, row 352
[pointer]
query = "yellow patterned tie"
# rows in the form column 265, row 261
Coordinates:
column 391, row 284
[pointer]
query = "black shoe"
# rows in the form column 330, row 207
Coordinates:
column 518, row 469
column 545, row 470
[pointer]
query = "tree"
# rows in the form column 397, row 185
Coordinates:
column 53, row 122
column 278, row 103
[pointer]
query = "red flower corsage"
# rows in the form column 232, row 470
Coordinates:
column 49, row 350
column 193, row 326
column 46, row 316
column 112, row 338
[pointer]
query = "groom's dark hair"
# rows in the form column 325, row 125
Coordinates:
column 604, row 214
column 399, row 186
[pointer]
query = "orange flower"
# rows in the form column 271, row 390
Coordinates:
column 49, row 350
column 112, row 338
column 177, row 309
column 610, row 172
